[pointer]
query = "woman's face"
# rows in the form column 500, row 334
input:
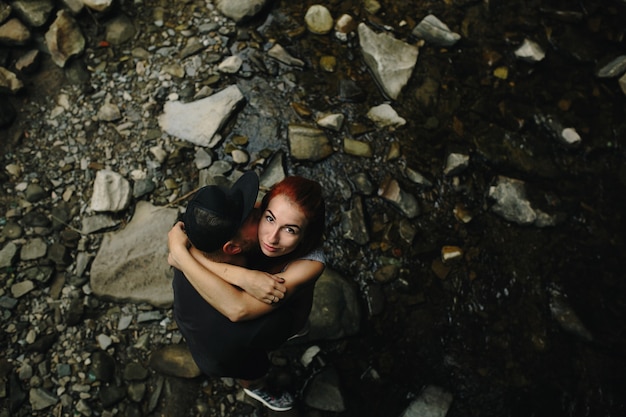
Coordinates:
column 281, row 227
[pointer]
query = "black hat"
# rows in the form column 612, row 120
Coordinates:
column 215, row 213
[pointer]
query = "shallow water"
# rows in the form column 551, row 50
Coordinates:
column 485, row 332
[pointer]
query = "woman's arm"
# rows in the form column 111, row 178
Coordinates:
column 295, row 275
column 234, row 303
column 261, row 285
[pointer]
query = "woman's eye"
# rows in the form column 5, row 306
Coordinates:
column 269, row 219
column 290, row 230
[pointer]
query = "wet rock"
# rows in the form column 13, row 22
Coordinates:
column 622, row 83
column 357, row 148
column 5, row 11
column 309, row 355
column 64, row 38
column 240, row 10
column 34, row 249
column 109, row 395
column 34, row 192
column 384, row 115
column 120, row 30
column 198, row 121
column 9, row 81
column 132, row 263
column 331, row 121
column 451, row 254
column 386, row 273
column 98, row 5
column 12, row 230
column 59, row 255
column 111, row 192
column 7, row 302
column 416, row 177
column 174, row 360
column 41, row 399
column 566, row 316
column 97, row 222
column 511, row 202
column 280, row 54
column 335, row 313
column 102, row 367
column 22, row 288
column 391, row 191
column 14, row 32
column 456, row 163
column 530, row 51
column 74, row 312
column 323, row 392
column 615, row 68
column 274, row 172
column 362, row 183
column 34, row 12
column 109, row 112
column 390, row 60
column 308, row 143
column 136, row 392
column 36, row 219
column 432, row 402
column 565, row 135
column 344, row 26
column 353, row 223
column 143, row 187
column 40, row 273
column 231, row 64
column 349, row 91
column 8, row 254
column 134, row 371
column 434, row 31
column 75, row 6
column 318, row 19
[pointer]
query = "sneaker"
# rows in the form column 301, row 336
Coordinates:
column 283, row 402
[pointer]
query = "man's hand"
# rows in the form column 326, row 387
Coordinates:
column 266, row 287
column 176, row 240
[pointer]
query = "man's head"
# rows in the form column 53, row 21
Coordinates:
column 215, row 214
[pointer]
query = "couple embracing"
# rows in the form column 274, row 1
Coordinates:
column 244, row 276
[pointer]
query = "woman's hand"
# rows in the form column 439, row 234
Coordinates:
column 265, row 287
column 176, row 241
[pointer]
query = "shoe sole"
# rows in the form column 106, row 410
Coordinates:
column 265, row 403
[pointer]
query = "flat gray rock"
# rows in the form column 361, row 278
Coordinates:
column 131, row 264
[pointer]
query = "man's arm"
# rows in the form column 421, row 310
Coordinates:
column 232, row 302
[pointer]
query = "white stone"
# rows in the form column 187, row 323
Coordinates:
column 570, row 136
column 390, row 60
column 384, row 115
column 318, row 19
column 530, row 51
column 111, row 192
column 231, row 64
column 198, row 121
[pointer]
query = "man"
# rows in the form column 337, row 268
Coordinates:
column 218, row 223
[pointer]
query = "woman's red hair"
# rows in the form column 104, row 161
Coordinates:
column 307, row 194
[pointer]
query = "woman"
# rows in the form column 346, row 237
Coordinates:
column 290, row 228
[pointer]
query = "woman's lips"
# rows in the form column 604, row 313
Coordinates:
column 269, row 248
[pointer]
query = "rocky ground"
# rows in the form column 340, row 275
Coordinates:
column 466, row 221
